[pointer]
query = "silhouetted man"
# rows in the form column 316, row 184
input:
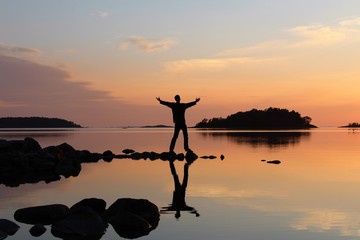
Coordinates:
column 178, row 111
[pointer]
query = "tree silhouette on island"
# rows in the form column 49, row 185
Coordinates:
column 270, row 119
column 36, row 122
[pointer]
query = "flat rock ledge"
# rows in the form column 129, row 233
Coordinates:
column 87, row 219
column 25, row 161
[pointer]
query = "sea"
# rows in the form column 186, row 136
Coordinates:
column 313, row 192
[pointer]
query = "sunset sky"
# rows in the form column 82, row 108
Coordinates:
column 102, row 63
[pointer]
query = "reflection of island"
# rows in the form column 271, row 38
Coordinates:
column 352, row 125
column 178, row 201
column 255, row 139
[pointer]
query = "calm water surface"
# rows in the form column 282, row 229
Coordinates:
column 313, row 194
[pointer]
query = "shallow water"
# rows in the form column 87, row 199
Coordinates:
column 313, row 194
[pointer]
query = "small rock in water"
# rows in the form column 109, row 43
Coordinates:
column 37, row 230
column 274, row 162
column 222, row 157
column 128, row 151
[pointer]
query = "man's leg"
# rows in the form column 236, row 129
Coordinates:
column 175, row 136
column 186, row 137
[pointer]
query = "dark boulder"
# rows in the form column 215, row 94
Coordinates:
column 274, row 161
column 81, row 224
column 3, row 235
column 67, row 150
column 128, row 151
column 8, row 227
column 153, row 156
column 37, row 230
column 30, row 146
column 170, row 156
column 108, row 156
column 96, row 204
column 46, row 214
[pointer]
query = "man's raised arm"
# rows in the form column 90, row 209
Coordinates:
column 190, row 104
column 162, row 102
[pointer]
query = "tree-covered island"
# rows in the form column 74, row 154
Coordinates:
column 352, row 125
column 36, row 122
column 270, row 119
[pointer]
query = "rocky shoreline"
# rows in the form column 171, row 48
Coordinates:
column 25, row 161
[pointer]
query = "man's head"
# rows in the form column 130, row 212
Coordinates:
column 177, row 98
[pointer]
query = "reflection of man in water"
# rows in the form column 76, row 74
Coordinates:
column 178, row 111
column 178, row 202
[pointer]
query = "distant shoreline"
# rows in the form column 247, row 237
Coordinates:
column 36, row 122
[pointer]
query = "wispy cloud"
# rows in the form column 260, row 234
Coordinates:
column 211, row 64
column 320, row 34
column 103, row 14
column 11, row 50
column 299, row 37
column 147, row 45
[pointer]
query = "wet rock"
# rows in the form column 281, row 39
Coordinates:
column 96, row 204
column 3, row 235
column 170, row 156
column 208, row 157
column 128, row 151
column 154, row 156
column 121, row 156
column 136, row 156
column 81, row 224
column 37, row 230
column 67, row 150
column 46, row 214
column 108, row 156
column 8, row 228
column 274, row 161
column 91, row 158
column 30, row 146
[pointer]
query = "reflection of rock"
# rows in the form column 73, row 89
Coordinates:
column 87, row 219
column 132, row 218
column 24, row 161
column 190, row 156
column 81, row 223
column 7, row 228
